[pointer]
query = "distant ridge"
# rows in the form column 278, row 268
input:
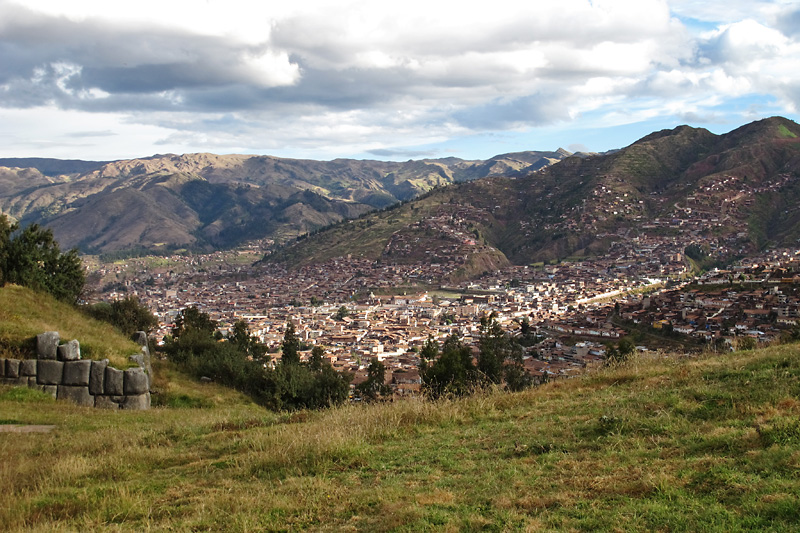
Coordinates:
column 52, row 167
column 749, row 179
column 205, row 201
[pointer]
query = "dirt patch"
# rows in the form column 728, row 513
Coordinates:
column 18, row 428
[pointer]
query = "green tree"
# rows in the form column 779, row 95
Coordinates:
column 290, row 347
column 452, row 373
column 341, row 313
column 128, row 315
column 32, row 258
column 500, row 356
column 317, row 359
column 374, row 387
column 621, row 352
column 192, row 319
column 246, row 343
column 429, row 352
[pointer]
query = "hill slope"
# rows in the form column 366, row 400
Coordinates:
column 207, row 201
column 25, row 313
column 739, row 190
column 663, row 444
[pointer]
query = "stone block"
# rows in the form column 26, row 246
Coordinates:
column 137, row 402
column 140, row 338
column 78, row 395
column 49, row 372
column 106, row 402
column 136, row 382
column 97, row 377
column 2, row 368
column 77, row 373
column 12, row 368
column 70, row 351
column 114, row 382
column 47, row 345
column 52, row 390
column 32, row 384
column 27, row 367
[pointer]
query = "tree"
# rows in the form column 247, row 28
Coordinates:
column 246, row 343
column 317, row 361
column 429, row 352
column 341, row 313
column 6, row 229
column 312, row 385
column 128, row 315
column 452, row 373
column 191, row 318
column 290, row 347
column 622, row 351
column 32, row 258
column 500, row 357
column 375, row 385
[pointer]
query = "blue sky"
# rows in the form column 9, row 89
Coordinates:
column 89, row 79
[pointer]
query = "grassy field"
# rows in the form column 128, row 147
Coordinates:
column 25, row 313
column 707, row 444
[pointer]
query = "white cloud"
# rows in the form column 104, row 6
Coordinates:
column 365, row 75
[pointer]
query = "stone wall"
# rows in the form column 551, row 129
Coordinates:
column 59, row 370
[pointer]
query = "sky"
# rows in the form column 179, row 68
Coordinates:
column 104, row 80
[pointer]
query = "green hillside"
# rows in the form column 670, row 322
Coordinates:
column 25, row 313
column 660, row 444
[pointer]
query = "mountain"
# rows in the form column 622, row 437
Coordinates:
column 208, row 201
column 738, row 191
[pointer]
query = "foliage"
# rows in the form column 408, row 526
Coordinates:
column 500, row 356
column 290, row 347
column 452, row 373
column 192, row 318
column 244, row 342
column 374, row 387
column 240, row 363
column 128, row 315
column 311, row 385
column 341, row 313
column 621, row 352
column 32, row 258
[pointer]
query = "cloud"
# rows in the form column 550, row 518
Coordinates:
column 398, row 154
column 86, row 134
column 365, row 76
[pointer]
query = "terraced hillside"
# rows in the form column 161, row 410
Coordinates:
column 740, row 189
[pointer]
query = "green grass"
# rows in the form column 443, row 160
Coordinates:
column 707, row 444
column 784, row 132
column 25, row 313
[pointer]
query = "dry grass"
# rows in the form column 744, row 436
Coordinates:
column 659, row 444
column 25, row 313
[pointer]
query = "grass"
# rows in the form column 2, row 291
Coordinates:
column 25, row 313
column 664, row 444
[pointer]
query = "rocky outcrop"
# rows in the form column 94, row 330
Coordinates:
column 59, row 370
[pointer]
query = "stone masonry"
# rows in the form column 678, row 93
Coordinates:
column 59, row 370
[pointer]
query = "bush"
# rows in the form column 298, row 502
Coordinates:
column 240, row 363
column 127, row 315
column 31, row 258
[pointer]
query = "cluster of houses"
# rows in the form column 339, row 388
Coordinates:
column 360, row 309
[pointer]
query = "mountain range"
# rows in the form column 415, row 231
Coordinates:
column 737, row 192
column 207, row 201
